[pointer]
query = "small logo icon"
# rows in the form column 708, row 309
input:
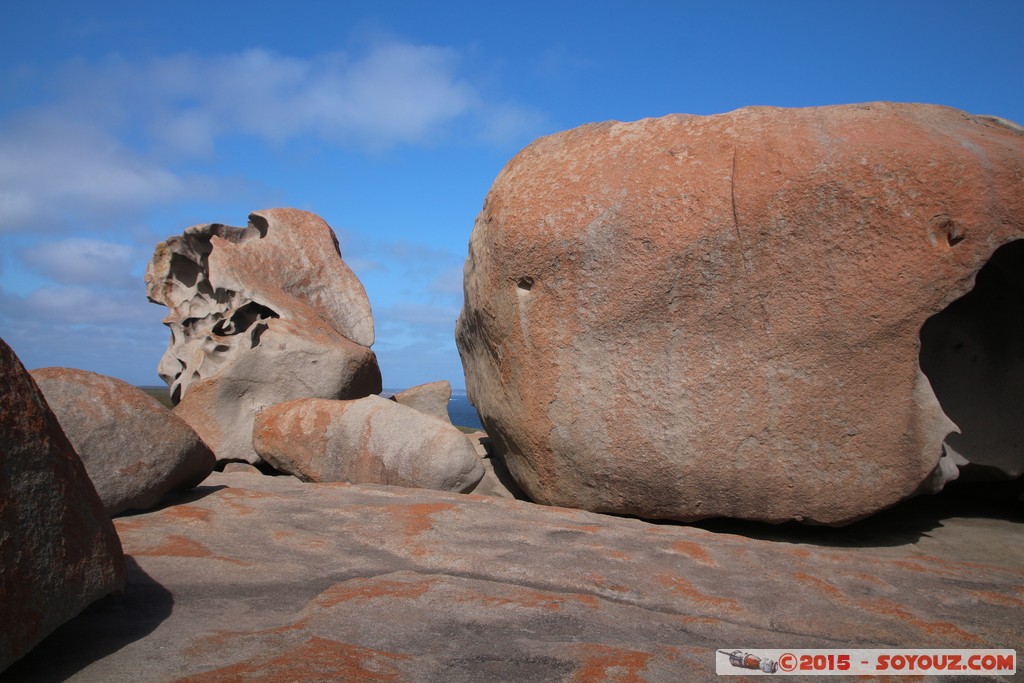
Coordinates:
column 745, row 660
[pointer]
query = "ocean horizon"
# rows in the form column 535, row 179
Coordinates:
column 460, row 411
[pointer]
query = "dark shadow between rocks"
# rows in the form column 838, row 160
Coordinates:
column 105, row 627
column 176, row 498
column 973, row 354
column 904, row 523
column 501, row 471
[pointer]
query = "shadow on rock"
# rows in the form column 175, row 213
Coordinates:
column 103, row 628
column 177, row 498
column 902, row 524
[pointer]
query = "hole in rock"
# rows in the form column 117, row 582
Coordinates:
column 973, row 354
column 185, row 270
column 525, row 283
column 243, row 318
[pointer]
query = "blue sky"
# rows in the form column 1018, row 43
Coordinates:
column 122, row 123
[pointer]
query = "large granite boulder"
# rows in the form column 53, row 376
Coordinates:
column 59, row 551
column 134, row 449
column 431, row 398
column 367, row 441
column 259, row 315
column 691, row 317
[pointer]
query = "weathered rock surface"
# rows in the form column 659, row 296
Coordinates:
column 275, row 579
column 692, row 317
column 431, row 398
column 370, row 440
column 58, row 548
column 259, row 315
column 134, row 449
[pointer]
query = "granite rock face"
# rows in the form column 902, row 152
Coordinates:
column 431, row 398
column 370, row 440
column 134, row 449
column 276, row 579
column 693, row 317
column 259, row 315
column 59, row 551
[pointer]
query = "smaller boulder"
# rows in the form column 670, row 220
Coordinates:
column 241, row 468
column 431, row 398
column 371, row 440
column 134, row 449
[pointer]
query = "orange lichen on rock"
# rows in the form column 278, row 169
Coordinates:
column 373, row 589
column 949, row 634
column 416, row 519
column 532, row 599
column 694, row 551
column 684, row 588
column 318, row 659
column 177, row 545
column 605, row 663
column 820, row 584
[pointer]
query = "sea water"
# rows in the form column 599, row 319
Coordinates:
column 460, row 411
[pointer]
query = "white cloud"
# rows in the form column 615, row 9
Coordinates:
column 116, row 132
column 396, row 93
column 52, row 169
column 402, row 324
column 78, row 305
column 80, row 261
column 448, row 283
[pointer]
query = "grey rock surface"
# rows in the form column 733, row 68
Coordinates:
column 275, row 579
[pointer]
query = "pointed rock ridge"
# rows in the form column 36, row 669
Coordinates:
column 371, row 440
column 693, row 317
column 431, row 398
column 59, row 551
column 259, row 315
column 134, row 449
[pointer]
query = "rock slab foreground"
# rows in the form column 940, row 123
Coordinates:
column 269, row 578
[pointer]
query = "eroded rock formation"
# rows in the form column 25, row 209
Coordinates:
column 367, row 441
column 134, row 449
column 59, row 551
column 259, row 315
column 693, row 317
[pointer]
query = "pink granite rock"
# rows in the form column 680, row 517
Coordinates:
column 277, row 579
column 370, row 440
column 693, row 317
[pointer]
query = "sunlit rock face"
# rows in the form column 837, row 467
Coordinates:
column 693, row 317
column 133, row 448
column 367, row 441
column 259, row 315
